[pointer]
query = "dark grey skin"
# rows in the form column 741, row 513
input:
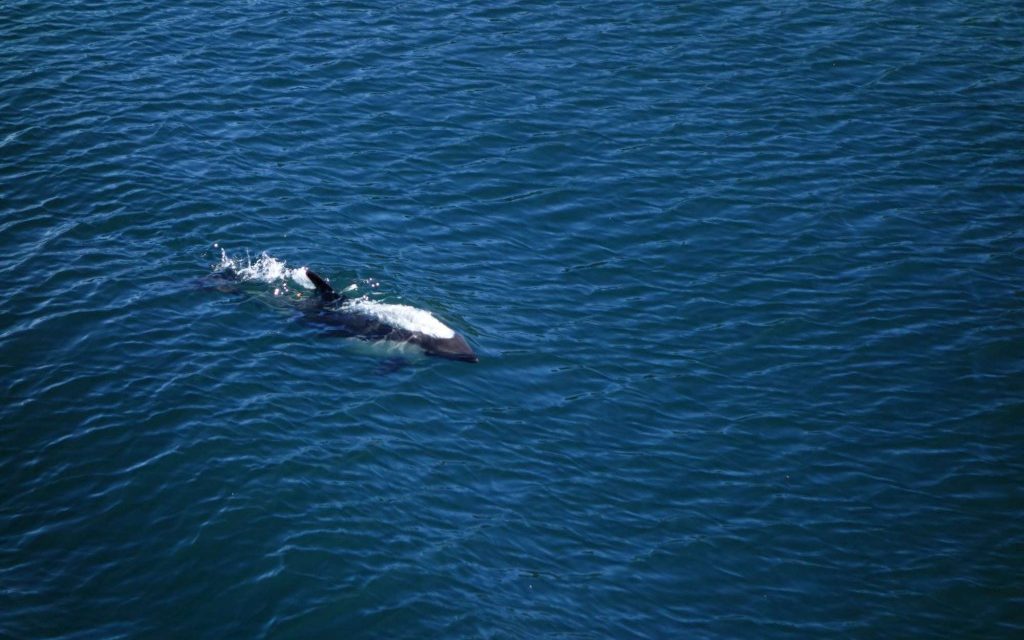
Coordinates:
column 328, row 310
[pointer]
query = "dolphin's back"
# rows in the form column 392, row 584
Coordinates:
column 372, row 320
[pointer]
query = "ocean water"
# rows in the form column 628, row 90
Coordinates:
column 746, row 281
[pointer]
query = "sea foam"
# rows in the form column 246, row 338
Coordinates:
column 265, row 269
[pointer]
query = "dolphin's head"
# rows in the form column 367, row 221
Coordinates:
column 454, row 348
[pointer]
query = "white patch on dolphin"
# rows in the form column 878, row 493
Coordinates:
column 401, row 316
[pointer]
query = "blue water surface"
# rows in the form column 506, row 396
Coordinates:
column 746, row 280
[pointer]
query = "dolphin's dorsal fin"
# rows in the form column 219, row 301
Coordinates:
column 324, row 289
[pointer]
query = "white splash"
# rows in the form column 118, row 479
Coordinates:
column 265, row 269
column 402, row 316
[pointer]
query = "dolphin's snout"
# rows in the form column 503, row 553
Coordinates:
column 455, row 348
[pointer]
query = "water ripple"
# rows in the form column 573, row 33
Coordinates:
column 745, row 281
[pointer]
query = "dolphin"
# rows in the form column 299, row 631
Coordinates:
column 371, row 320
